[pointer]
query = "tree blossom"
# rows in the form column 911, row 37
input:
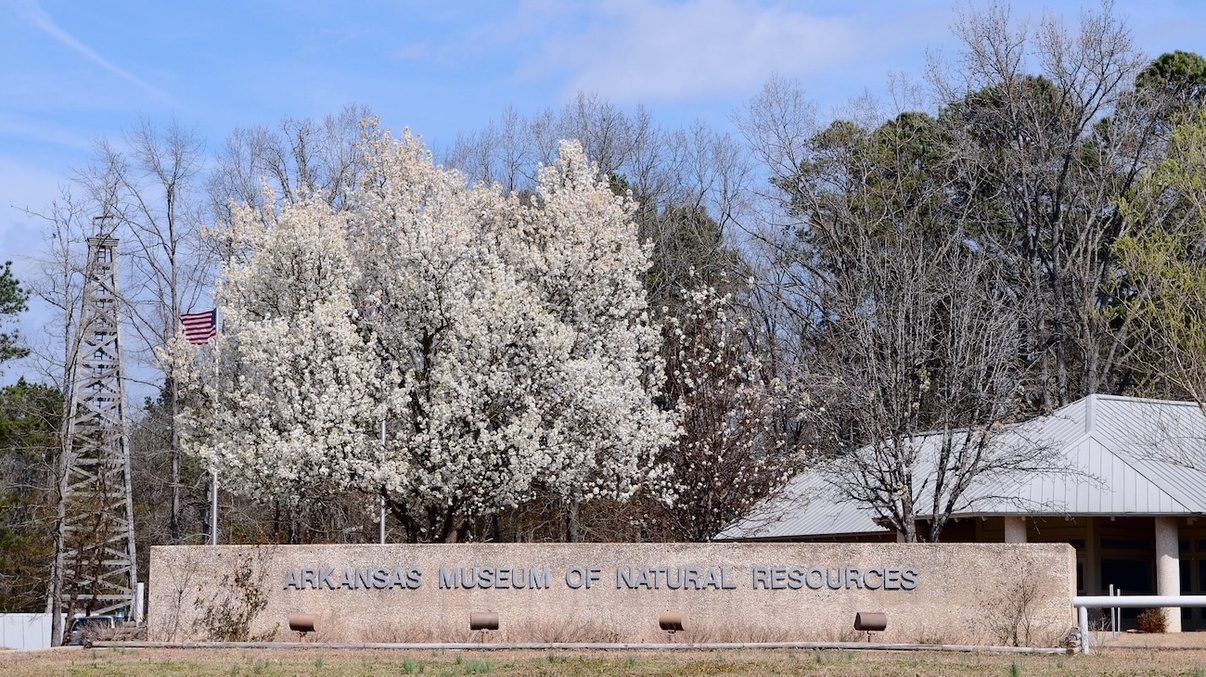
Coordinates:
column 505, row 346
column 731, row 454
column 287, row 403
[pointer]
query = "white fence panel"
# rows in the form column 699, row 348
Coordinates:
column 25, row 631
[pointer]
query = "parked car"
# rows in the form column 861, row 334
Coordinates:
column 87, row 628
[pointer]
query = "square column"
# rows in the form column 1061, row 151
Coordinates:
column 1092, row 563
column 1168, row 568
column 1015, row 529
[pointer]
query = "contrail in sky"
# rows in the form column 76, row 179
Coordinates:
column 42, row 20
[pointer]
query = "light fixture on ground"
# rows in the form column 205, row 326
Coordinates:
column 302, row 624
column 671, row 622
column 483, row 621
column 870, row 621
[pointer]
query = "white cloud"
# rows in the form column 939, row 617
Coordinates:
column 709, row 49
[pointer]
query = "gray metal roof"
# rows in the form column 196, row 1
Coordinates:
column 1108, row 455
column 808, row 505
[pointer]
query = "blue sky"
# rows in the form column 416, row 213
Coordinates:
column 73, row 71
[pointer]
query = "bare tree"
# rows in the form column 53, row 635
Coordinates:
column 1044, row 121
column 298, row 157
column 507, row 152
column 149, row 187
column 914, row 377
column 902, row 323
column 57, row 283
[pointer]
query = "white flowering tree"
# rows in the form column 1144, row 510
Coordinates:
column 505, row 346
column 580, row 248
column 732, row 454
column 287, row 407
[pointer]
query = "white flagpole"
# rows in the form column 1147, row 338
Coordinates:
column 213, row 508
column 213, row 470
column 381, row 521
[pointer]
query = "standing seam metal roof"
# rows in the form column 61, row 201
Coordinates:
column 1111, row 455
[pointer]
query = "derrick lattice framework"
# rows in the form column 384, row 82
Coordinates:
column 99, row 569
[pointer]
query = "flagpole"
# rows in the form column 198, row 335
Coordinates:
column 213, row 517
column 213, row 467
column 382, row 520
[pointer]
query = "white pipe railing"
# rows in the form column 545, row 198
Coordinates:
column 1115, row 612
column 1085, row 602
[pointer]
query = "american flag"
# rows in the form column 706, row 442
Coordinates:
column 199, row 328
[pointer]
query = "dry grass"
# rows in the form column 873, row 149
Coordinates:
column 280, row 662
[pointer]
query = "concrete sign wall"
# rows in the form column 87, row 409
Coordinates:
column 944, row 593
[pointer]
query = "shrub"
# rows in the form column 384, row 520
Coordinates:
column 1151, row 620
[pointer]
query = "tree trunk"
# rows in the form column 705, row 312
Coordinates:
column 174, row 518
column 571, row 520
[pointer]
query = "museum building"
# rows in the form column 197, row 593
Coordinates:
column 1126, row 488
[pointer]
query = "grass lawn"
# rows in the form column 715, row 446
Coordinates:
column 279, row 662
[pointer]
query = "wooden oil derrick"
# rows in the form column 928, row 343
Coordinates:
column 95, row 566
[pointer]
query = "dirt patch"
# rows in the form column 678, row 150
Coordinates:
column 1172, row 640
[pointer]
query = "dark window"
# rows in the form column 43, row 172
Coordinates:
column 1125, row 544
column 1132, row 576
